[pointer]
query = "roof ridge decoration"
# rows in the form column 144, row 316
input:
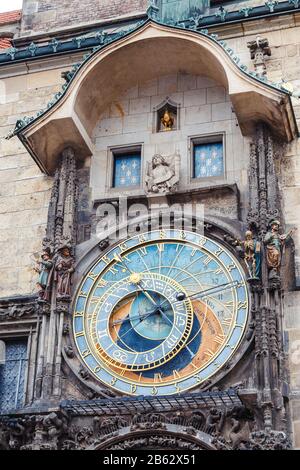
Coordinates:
column 106, row 39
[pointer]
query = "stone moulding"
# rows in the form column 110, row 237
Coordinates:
column 249, row 91
column 18, row 308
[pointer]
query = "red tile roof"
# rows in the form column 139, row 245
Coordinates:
column 4, row 43
column 10, row 17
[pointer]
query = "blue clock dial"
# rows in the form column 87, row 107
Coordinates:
column 160, row 312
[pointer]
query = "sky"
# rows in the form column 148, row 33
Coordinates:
column 9, row 5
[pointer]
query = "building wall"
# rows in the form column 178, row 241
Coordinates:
column 205, row 110
column 24, row 190
column 45, row 15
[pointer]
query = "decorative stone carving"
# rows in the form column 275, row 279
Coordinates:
column 13, row 311
column 163, row 174
column 259, row 50
column 69, row 351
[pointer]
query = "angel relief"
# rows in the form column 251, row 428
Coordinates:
column 163, row 173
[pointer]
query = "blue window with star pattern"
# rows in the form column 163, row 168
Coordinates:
column 127, row 170
column 208, row 160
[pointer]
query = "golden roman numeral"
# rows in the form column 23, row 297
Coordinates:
column 80, row 333
column 226, row 322
column 78, row 314
column 158, row 377
column 207, row 260
column 219, row 339
column 230, row 267
column 242, row 304
column 208, row 353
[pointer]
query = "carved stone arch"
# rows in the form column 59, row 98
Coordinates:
column 169, row 438
column 121, row 64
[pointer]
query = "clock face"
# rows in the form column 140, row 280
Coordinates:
column 160, row 313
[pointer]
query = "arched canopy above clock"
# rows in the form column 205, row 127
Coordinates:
column 147, row 52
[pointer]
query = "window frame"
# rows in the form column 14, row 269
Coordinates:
column 202, row 140
column 26, row 338
column 119, row 150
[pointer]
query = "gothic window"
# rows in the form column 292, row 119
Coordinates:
column 208, row 159
column 12, row 375
column 126, row 168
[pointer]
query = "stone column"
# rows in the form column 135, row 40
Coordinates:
column 267, row 292
column 54, row 303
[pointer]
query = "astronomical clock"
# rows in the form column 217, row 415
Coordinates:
column 160, row 313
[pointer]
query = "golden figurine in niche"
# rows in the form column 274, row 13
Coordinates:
column 167, row 121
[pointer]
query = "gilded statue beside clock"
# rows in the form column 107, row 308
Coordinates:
column 160, row 313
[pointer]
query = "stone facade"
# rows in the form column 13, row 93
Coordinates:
column 205, row 108
column 39, row 16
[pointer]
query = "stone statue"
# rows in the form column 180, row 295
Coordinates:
column 167, row 121
column 64, row 268
column 274, row 246
column 163, row 174
column 44, row 268
column 252, row 254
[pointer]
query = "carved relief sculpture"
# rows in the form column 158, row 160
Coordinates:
column 163, row 173
column 274, row 245
column 259, row 50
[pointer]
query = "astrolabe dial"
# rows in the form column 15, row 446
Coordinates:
column 138, row 324
column 161, row 312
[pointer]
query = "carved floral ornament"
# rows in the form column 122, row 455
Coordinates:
column 248, row 91
column 216, row 429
